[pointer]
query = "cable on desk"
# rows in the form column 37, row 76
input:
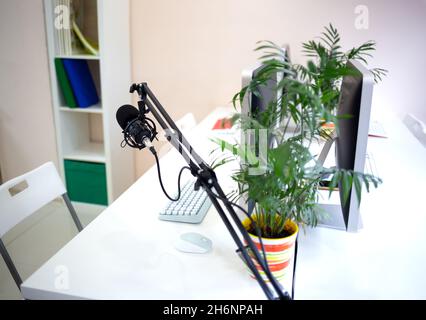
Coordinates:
column 294, row 267
column 227, row 201
column 260, row 238
column 161, row 181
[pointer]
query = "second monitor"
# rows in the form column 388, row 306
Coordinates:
column 351, row 143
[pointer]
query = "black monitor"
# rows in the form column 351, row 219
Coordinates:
column 266, row 93
column 255, row 103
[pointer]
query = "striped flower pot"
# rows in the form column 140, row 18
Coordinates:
column 279, row 251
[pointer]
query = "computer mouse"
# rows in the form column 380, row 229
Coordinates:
column 193, row 242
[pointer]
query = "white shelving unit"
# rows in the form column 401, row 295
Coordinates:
column 92, row 134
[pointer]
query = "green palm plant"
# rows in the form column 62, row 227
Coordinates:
column 288, row 187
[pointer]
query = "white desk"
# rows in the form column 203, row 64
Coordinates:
column 386, row 259
column 127, row 252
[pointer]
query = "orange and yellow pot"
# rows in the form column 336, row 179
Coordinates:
column 279, row 251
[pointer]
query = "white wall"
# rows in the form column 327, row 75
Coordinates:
column 27, row 136
column 191, row 52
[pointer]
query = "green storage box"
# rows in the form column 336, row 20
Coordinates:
column 86, row 181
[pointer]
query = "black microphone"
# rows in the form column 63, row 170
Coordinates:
column 138, row 130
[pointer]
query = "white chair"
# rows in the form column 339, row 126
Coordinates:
column 40, row 186
column 416, row 127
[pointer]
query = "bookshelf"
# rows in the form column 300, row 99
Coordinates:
column 90, row 137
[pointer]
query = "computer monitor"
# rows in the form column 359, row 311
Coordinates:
column 253, row 105
column 351, row 142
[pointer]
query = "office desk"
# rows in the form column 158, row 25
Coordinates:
column 128, row 253
column 386, row 259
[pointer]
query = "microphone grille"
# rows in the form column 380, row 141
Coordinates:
column 125, row 114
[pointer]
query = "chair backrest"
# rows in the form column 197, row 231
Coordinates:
column 41, row 186
column 416, row 127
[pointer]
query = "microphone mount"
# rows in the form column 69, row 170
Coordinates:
column 143, row 109
column 141, row 131
column 206, row 178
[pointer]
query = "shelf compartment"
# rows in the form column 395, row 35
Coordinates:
column 94, row 70
column 91, row 152
column 67, row 43
column 81, row 136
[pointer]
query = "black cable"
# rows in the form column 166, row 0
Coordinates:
column 225, row 200
column 161, row 181
column 153, row 151
column 294, row 267
column 258, row 232
column 260, row 240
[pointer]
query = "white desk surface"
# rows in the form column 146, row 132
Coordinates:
column 128, row 253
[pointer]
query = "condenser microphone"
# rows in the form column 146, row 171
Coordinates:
column 138, row 130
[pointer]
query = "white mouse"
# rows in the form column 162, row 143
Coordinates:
column 193, row 243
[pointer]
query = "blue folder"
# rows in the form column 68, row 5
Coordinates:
column 81, row 82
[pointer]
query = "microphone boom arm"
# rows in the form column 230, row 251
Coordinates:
column 206, row 178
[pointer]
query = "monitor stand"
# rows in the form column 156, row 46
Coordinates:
column 329, row 207
column 330, row 214
column 331, row 217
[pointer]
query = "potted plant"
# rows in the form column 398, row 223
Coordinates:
column 286, row 192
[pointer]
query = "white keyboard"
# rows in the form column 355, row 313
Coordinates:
column 192, row 206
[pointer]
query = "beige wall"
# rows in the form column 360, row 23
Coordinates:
column 27, row 135
column 191, row 52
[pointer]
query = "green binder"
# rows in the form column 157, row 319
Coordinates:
column 64, row 84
